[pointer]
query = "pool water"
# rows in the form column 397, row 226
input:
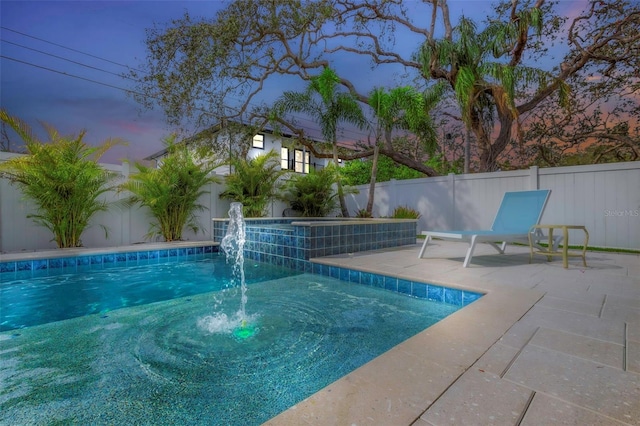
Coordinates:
column 153, row 364
column 33, row 301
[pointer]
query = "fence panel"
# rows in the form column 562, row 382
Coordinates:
column 603, row 197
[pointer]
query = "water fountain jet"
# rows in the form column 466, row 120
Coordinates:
column 233, row 247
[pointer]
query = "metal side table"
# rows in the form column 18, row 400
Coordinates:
column 552, row 248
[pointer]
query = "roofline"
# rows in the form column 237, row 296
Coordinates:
column 216, row 128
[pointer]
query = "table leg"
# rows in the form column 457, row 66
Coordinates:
column 565, row 247
column 584, row 247
column 550, row 247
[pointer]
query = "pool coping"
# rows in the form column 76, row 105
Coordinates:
column 419, row 370
column 91, row 251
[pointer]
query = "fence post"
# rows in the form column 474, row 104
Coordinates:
column 451, row 181
column 533, row 178
column 393, row 190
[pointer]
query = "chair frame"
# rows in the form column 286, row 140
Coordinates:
column 501, row 231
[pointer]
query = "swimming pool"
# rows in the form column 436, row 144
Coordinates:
column 152, row 364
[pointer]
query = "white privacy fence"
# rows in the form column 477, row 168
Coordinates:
column 605, row 198
column 126, row 225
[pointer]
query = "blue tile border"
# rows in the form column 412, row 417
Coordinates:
column 417, row 289
column 309, row 238
column 9, row 270
column 433, row 292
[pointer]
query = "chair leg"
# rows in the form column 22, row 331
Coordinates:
column 499, row 248
column 472, row 246
column 424, row 246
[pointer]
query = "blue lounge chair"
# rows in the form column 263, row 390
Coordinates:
column 518, row 212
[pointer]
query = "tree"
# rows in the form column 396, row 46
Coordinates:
column 327, row 107
column 588, row 131
column 406, row 109
column 195, row 64
column 62, row 178
column 254, row 182
column 171, row 191
column 487, row 90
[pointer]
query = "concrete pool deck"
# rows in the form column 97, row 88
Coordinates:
column 545, row 345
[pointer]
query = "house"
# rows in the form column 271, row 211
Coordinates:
column 239, row 139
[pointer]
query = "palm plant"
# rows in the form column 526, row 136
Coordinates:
column 483, row 81
column 313, row 194
column 402, row 108
column 254, row 182
column 327, row 106
column 62, row 178
column 171, row 191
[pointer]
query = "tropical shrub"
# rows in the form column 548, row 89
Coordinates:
column 313, row 194
column 363, row 214
column 404, row 212
column 254, row 182
column 171, row 191
column 358, row 172
column 62, row 178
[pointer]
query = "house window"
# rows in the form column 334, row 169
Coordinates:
column 284, row 158
column 258, row 141
column 302, row 161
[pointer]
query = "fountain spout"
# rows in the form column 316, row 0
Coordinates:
column 239, row 325
column 233, row 246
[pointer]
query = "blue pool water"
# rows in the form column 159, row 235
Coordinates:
column 148, row 360
column 58, row 296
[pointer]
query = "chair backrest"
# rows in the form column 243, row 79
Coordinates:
column 519, row 211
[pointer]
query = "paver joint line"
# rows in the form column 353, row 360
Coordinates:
column 626, row 346
column 525, row 408
column 513, row 360
column 604, row 302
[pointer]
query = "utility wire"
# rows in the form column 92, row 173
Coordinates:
column 71, row 75
column 95, row 81
column 71, row 49
column 299, row 118
column 69, row 60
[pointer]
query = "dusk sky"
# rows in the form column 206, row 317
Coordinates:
column 62, row 63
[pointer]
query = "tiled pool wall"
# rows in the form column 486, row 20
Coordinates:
column 23, row 268
column 421, row 290
column 293, row 242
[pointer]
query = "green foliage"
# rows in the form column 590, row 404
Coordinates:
column 502, row 70
column 404, row 212
column 444, row 166
column 485, row 72
column 254, row 182
column 327, row 106
column 171, row 191
column 313, row 194
column 363, row 214
column 324, row 103
column 62, row 178
column 358, row 172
